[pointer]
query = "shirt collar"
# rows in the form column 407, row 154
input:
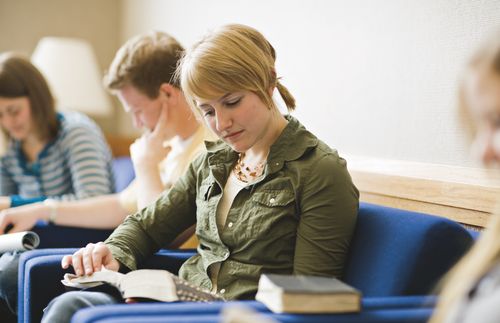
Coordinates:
column 291, row 144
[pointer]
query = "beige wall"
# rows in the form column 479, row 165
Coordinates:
column 23, row 23
column 371, row 78
column 374, row 78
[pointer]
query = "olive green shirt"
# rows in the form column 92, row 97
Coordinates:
column 299, row 218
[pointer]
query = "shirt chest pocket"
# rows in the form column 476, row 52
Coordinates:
column 270, row 212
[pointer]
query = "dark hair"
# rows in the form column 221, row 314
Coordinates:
column 145, row 62
column 20, row 78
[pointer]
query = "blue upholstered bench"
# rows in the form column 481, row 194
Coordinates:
column 185, row 312
column 396, row 257
column 123, row 172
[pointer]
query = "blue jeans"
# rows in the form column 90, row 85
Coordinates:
column 62, row 308
column 9, row 263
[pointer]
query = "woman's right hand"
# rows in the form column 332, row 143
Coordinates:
column 90, row 259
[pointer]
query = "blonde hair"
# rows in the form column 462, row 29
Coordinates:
column 486, row 58
column 146, row 62
column 231, row 59
column 486, row 251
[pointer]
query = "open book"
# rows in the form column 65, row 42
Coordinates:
column 20, row 241
column 307, row 294
column 159, row 285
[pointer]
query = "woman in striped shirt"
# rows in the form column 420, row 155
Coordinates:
column 49, row 155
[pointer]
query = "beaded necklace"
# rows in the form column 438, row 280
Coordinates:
column 245, row 173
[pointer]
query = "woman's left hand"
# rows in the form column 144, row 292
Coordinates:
column 20, row 218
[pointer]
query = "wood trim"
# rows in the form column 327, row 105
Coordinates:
column 466, row 195
column 471, row 217
column 120, row 145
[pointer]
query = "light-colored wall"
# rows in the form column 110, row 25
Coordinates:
column 374, row 78
column 23, row 23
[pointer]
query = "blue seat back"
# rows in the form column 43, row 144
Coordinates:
column 123, row 172
column 398, row 252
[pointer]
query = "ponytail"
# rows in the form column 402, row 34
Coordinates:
column 286, row 96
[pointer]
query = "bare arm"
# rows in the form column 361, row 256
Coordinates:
column 4, row 202
column 100, row 212
column 147, row 152
column 149, row 185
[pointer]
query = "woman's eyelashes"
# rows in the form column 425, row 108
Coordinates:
column 229, row 103
column 232, row 102
column 207, row 112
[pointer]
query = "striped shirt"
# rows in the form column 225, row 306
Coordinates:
column 75, row 165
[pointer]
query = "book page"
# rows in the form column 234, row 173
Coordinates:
column 146, row 283
column 159, row 285
column 97, row 278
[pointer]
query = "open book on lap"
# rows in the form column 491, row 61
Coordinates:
column 159, row 285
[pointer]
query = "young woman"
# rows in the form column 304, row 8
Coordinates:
column 50, row 155
column 267, row 197
column 472, row 291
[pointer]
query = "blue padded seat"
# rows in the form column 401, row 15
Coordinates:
column 123, row 172
column 40, row 275
column 394, row 254
column 399, row 252
column 199, row 312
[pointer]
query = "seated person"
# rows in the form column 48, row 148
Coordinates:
column 61, row 156
column 50, row 156
column 173, row 138
column 472, row 289
column 269, row 196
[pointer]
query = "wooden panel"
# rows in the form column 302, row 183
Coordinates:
column 466, row 195
column 119, row 144
column 470, row 217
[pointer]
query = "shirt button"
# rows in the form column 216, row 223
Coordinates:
column 222, row 291
column 272, row 200
column 277, row 164
column 230, row 224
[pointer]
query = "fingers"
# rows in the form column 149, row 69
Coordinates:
column 100, row 256
column 3, row 222
column 66, row 261
column 77, row 262
column 15, row 227
column 87, row 260
column 160, row 127
column 6, row 224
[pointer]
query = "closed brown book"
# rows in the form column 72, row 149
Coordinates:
column 307, row 294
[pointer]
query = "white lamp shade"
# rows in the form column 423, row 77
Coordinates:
column 71, row 69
